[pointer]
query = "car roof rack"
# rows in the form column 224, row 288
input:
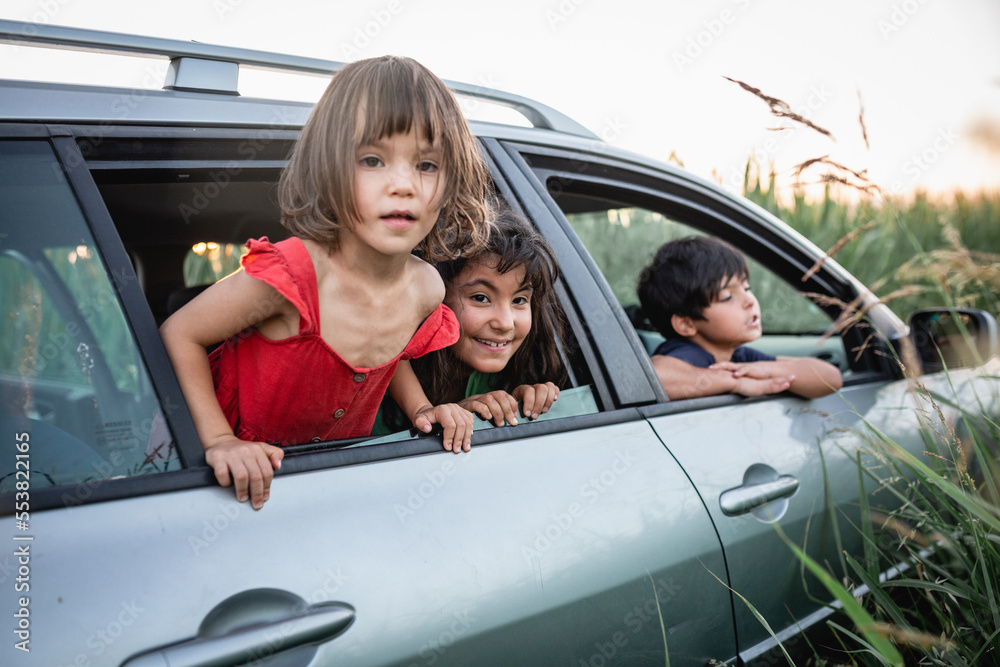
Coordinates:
column 209, row 68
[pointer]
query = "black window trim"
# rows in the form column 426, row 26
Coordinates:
column 621, row 353
column 310, row 458
column 134, row 306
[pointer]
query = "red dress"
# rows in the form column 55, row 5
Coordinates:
column 298, row 389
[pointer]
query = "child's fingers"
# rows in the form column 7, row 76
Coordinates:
column 221, row 469
column 463, row 433
column 496, row 410
column 249, row 466
column 551, row 395
column 422, row 423
column 529, row 395
column 509, row 409
column 537, row 399
column 275, row 455
column 457, row 425
column 446, row 421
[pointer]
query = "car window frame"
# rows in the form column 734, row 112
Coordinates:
column 66, row 142
column 658, row 191
column 125, row 283
column 618, row 351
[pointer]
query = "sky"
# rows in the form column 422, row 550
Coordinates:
column 647, row 76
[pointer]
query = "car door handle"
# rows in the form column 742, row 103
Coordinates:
column 317, row 623
column 747, row 497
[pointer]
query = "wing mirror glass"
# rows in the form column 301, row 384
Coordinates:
column 953, row 337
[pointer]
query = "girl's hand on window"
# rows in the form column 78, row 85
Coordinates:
column 455, row 421
column 249, row 466
column 536, row 399
column 496, row 406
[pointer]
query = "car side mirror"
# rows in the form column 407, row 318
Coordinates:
column 953, row 337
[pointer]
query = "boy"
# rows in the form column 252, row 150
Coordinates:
column 697, row 294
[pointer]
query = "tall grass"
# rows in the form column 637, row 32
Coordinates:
column 943, row 607
column 946, row 249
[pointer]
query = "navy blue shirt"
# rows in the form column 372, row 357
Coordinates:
column 698, row 356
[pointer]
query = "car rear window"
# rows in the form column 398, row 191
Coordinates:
column 71, row 376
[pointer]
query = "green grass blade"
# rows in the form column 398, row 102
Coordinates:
column 862, row 620
column 663, row 628
column 758, row 616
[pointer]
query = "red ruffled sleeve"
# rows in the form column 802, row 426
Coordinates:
column 269, row 262
column 438, row 331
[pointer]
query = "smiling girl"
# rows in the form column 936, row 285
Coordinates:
column 511, row 329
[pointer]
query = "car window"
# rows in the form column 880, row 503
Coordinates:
column 622, row 237
column 623, row 240
column 71, row 376
column 208, row 262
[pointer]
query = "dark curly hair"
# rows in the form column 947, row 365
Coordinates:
column 516, row 244
column 685, row 277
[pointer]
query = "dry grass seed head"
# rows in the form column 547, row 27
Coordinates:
column 861, row 121
column 781, row 109
column 841, row 242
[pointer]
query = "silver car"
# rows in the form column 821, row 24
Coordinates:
column 613, row 532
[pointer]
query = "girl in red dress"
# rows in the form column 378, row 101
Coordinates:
column 318, row 326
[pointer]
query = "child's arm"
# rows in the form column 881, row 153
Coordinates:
column 812, row 377
column 682, row 380
column 405, row 389
column 217, row 313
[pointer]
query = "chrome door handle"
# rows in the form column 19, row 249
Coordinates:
column 309, row 625
column 747, row 497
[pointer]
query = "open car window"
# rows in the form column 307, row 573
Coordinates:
column 71, row 376
column 622, row 215
column 623, row 240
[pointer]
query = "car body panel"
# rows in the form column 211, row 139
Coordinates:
column 561, row 537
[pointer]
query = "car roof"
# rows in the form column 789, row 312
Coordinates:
column 200, row 74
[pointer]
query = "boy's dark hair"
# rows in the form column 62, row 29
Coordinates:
column 517, row 244
column 684, row 278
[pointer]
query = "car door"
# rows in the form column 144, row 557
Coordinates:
column 760, row 464
column 569, row 541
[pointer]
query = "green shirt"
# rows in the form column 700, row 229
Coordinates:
column 478, row 383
